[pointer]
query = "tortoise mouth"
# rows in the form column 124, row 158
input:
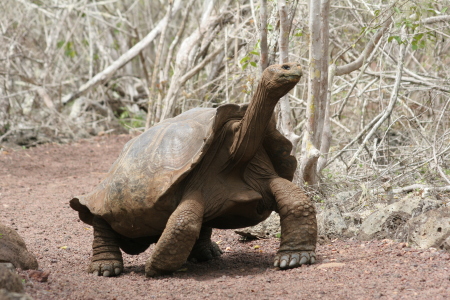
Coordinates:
column 292, row 77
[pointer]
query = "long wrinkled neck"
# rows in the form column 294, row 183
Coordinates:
column 253, row 125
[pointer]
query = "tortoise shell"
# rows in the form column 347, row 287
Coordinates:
column 142, row 186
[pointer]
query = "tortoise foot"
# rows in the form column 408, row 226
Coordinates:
column 294, row 259
column 106, row 268
column 205, row 251
column 151, row 271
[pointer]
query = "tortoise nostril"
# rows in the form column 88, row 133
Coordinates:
column 286, row 67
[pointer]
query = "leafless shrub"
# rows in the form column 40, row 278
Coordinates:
column 208, row 56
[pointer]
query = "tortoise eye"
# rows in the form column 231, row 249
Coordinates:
column 286, row 67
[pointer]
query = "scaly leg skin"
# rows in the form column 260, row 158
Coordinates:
column 179, row 236
column 106, row 259
column 205, row 249
column 298, row 225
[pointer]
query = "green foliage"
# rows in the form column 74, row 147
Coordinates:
column 397, row 38
column 417, row 42
column 130, row 120
column 249, row 60
column 299, row 32
column 69, row 49
column 410, row 16
column 327, row 173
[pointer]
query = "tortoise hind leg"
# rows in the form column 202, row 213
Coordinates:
column 106, row 256
column 205, row 249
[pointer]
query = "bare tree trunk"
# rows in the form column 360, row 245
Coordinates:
column 264, row 55
column 326, row 132
column 323, row 131
column 284, row 107
column 310, row 144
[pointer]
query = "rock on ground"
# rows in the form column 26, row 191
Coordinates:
column 9, row 280
column 431, row 229
column 13, row 249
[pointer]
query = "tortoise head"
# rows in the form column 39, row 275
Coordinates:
column 280, row 79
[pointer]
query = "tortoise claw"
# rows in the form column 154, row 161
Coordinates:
column 106, row 268
column 293, row 259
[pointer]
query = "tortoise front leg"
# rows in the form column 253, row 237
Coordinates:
column 106, row 256
column 178, row 238
column 298, row 225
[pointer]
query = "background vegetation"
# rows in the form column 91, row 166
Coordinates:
column 207, row 53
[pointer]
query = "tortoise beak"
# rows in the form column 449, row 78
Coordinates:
column 294, row 71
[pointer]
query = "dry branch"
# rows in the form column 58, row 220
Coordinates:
column 152, row 91
column 344, row 102
column 392, row 101
column 435, row 19
column 186, row 56
column 124, row 58
column 348, row 68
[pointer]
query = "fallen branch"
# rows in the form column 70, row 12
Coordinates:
column 106, row 74
column 414, row 187
column 435, row 19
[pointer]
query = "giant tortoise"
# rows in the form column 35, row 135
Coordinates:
column 225, row 167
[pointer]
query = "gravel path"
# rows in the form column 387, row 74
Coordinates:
column 36, row 185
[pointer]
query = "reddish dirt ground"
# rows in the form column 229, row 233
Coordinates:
column 36, row 185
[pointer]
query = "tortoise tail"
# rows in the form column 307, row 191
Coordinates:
column 83, row 212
